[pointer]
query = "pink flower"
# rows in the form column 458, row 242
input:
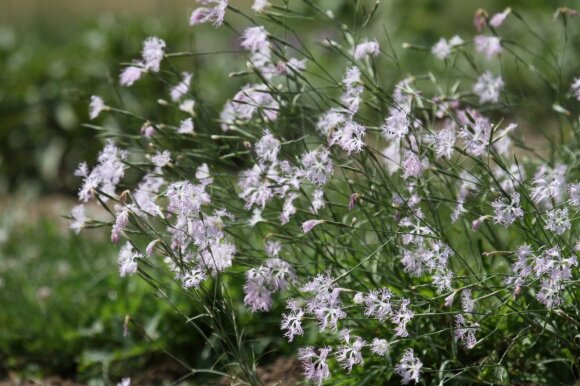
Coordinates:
column 131, row 74
column 308, row 225
column 489, row 45
column 366, row 49
column 498, row 19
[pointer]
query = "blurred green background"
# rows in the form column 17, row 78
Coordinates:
column 62, row 304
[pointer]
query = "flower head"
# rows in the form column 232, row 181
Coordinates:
column 409, row 367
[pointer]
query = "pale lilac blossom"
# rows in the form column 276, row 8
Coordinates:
column 349, row 137
column 557, row 221
column 507, row 211
column 465, row 332
column 308, row 225
column 131, row 74
column 497, row 20
column 186, row 126
column 96, row 106
column 259, row 5
column 127, row 260
column 396, row 125
column 549, row 183
column 153, row 52
column 79, row 218
column 215, row 14
column 380, row 346
column 317, row 166
column 412, row 165
column 182, row 87
column 365, row 49
column 489, row 45
column 444, row 142
column 292, row 321
column 574, row 193
column 267, row 148
column 349, row 353
column 315, row 365
column 121, row 223
column 467, row 303
column 409, row 367
column 488, row 87
column 575, row 88
column 193, row 278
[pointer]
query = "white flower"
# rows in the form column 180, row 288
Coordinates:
column 186, row 199
column 308, row 225
column 207, row 14
column 352, row 77
column 96, row 106
column 131, row 74
column 476, row 139
column 330, row 120
column 575, row 88
column 489, row 45
column 378, row 304
column 121, row 223
column 441, row 49
column 444, row 142
column 455, row 41
column 467, row 303
column 498, row 19
column 259, row 5
column 161, row 159
column 267, row 147
column 380, row 346
column 465, row 332
column 273, row 248
column 317, row 200
column 186, row 126
column 315, row 366
column 574, row 192
column 106, row 175
column 125, row 382
column 182, row 87
column 488, row 87
column 349, row 137
column 79, row 217
column 412, row 165
column 506, row 212
column 409, row 367
column 366, row 49
column 255, row 39
column 127, row 257
column 349, row 354
column 203, row 175
column 292, row 321
column 558, row 221
column 153, row 52
column 217, row 257
column 549, row 183
column 187, row 106
column 317, row 166
column 396, row 125
column 193, row 278
column 392, row 157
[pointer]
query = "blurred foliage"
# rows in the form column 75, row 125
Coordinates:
column 64, row 306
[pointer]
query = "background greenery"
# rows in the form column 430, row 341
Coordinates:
column 63, row 305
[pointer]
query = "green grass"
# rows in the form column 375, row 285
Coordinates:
column 64, row 305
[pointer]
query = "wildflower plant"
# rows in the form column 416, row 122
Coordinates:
column 394, row 228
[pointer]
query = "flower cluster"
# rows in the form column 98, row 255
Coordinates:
column 367, row 208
